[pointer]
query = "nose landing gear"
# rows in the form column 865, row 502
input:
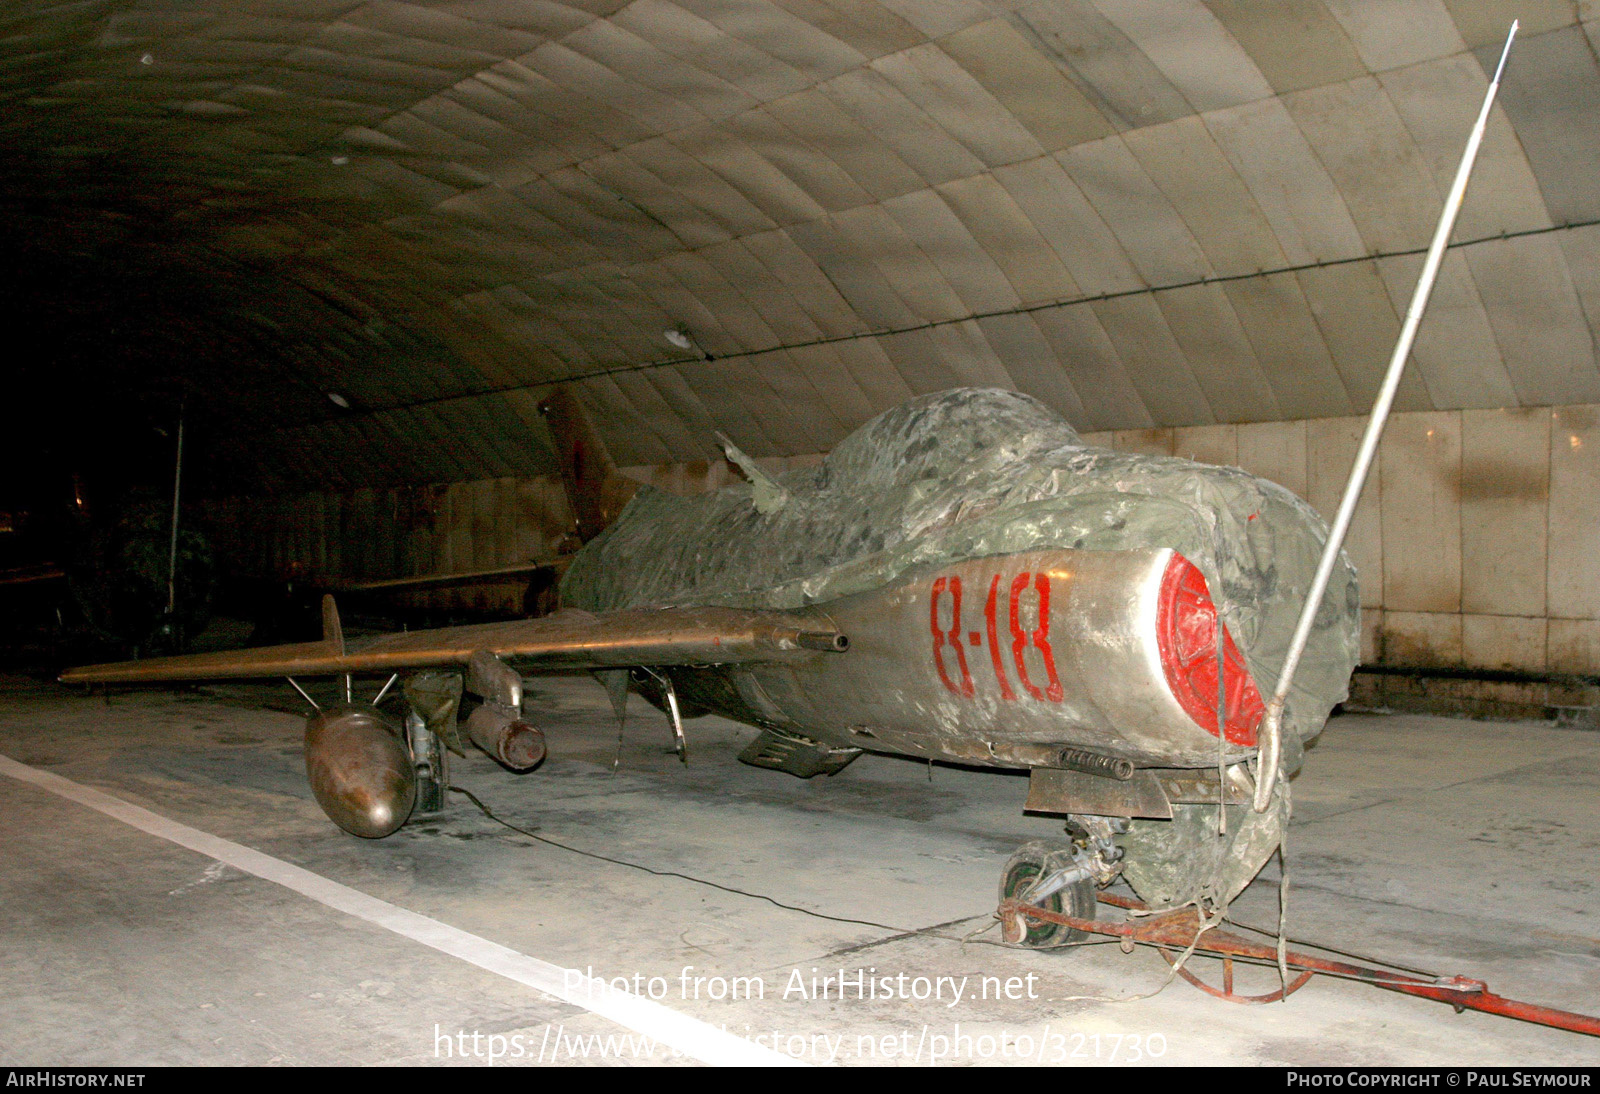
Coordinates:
column 1062, row 877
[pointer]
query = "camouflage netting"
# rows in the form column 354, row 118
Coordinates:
column 975, row 472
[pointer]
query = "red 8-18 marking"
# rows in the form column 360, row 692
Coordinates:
column 951, row 638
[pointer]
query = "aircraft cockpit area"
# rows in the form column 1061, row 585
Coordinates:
column 801, row 532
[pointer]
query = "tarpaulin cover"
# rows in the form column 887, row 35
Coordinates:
column 974, row 472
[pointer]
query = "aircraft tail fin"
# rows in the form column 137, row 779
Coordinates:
column 596, row 490
column 332, row 630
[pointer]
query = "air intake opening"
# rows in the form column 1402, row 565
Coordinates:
column 1186, row 634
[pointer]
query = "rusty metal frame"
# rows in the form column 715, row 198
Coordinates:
column 1180, row 930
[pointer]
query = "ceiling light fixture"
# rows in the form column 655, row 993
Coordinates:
column 680, row 337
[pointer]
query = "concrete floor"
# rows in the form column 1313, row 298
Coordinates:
column 1456, row 846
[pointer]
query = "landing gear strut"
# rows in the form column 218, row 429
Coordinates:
column 429, row 756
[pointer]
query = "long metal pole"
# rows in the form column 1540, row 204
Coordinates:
column 1270, row 749
column 172, row 554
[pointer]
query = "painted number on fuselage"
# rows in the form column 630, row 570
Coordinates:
column 949, row 649
column 952, row 641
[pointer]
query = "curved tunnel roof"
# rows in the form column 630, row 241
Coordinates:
column 1142, row 212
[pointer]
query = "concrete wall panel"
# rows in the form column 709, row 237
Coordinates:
column 1574, row 645
column 1420, row 469
column 1505, row 483
column 1574, row 588
column 1421, row 639
column 1502, row 642
column 1331, row 446
column 1218, row 444
column 1277, row 452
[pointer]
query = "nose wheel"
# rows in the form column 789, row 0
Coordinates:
column 1054, row 877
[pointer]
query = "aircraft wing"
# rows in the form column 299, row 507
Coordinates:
column 29, row 575
column 439, row 581
column 566, row 640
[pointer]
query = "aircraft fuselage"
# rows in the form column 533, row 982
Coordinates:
column 1005, row 661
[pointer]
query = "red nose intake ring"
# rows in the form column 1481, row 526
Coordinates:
column 1186, row 634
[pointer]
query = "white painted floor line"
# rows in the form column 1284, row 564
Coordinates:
column 688, row 1035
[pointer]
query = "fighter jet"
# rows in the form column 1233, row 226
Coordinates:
column 962, row 579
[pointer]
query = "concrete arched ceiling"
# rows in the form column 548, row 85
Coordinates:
column 1144, row 212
